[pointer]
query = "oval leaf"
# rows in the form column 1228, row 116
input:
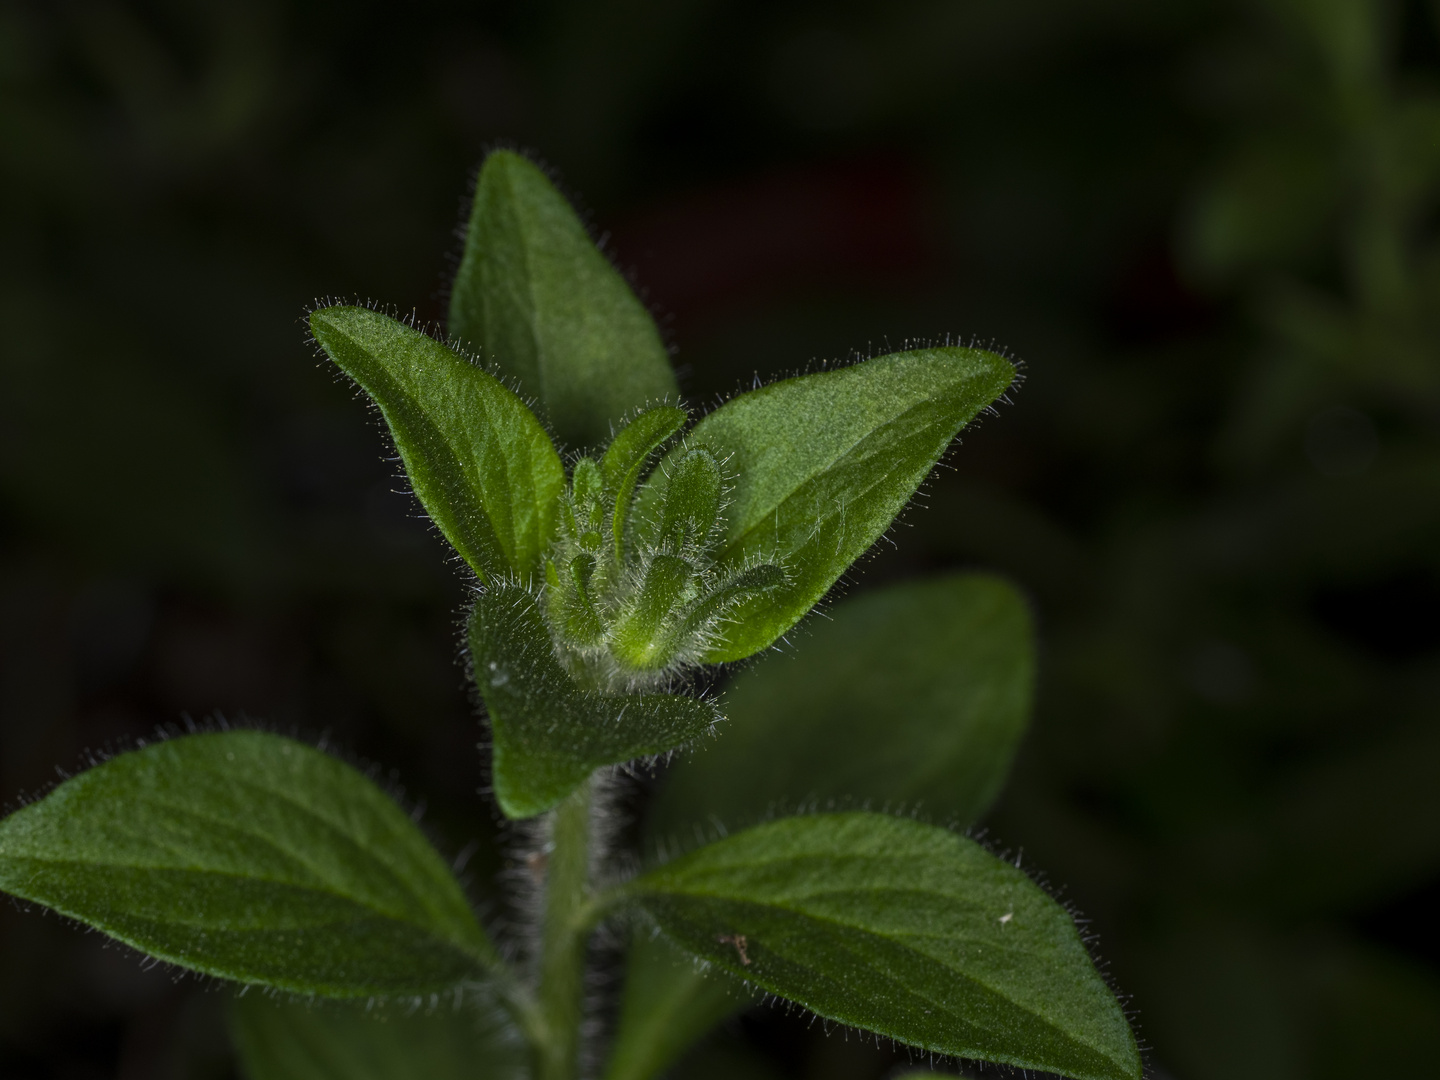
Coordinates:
column 331, row 1040
column 251, row 857
column 916, row 694
column 480, row 462
column 899, row 928
column 548, row 733
column 534, row 292
column 823, row 463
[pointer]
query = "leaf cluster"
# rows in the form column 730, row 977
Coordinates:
column 615, row 549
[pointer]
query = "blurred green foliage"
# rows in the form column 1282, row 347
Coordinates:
column 1212, row 230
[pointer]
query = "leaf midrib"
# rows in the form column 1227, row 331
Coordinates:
column 734, row 547
column 787, row 908
column 320, row 886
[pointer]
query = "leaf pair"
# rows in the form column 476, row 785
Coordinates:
column 252, row 857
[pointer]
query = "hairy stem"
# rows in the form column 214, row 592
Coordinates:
column 564, row 935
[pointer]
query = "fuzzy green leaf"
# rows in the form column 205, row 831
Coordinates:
column 549, row 734
column 251, row 857
column 900, row 928
column 913, row 695
column 300, row 1040
column 534, row 292
column 480, row 462
column 823, row 463
column 626, row 456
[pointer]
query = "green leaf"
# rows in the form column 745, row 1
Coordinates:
column 668, row 1004
column 913, row 695
column 480, row 462
column 330, row 1041
column 550, row 734
column 626, row 456
column 534, row 292
column 251, row 857
column 823, row 464
column 900, row 928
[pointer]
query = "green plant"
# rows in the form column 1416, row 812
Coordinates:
column 603, row 586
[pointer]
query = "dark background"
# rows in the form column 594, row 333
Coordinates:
column 1211, row 230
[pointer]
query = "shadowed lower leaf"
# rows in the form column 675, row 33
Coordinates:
column 300, row 1040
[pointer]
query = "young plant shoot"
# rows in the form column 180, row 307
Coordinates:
column 619, row 544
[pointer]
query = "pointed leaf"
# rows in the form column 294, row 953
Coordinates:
column 301, row 1040
column 823, row 464
column 914, row 695
column 549, row 734
column 480, row 462
column 534, row 292
column 251, row 857
column 626, row 456
column 900, row 928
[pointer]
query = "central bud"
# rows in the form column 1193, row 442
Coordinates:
column 634, row 589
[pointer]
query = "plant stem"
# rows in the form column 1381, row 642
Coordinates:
column 564, row 936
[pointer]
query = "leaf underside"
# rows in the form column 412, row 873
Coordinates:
column 669, row 1003
column 301, row 1040
column 250, row 857
column 549, row 734
column 535, row 293
column 823, row 463
column 900, row 928
column 480, row 462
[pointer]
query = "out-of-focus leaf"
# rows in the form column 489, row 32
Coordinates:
column 536, row 294
column 1267, row 206
column 900, row 928
column 550, row 734
column 1374, row 1014
column 479, row 460
column 333, row 1041
column 823, row 463
column 1378, row 804
column 251, row 857
column 668, row 1004
column 913, row 694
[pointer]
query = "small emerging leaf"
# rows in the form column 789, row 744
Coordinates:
column 823, row 464
column 626, row 456
column 251, row 857
column 481, row 464
column 900, row 928
column 301, row 1040
column 549, row 734
column 534, row 292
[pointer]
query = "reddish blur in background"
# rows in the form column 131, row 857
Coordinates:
column 1210, row 229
